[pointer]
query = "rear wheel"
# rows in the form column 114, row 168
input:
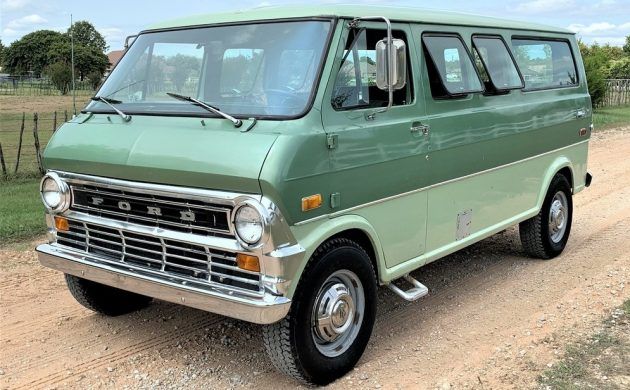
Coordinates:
column 104, row 299
column 331, row 317
column 545, row 235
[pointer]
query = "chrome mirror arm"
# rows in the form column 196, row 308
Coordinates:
column 390, row 86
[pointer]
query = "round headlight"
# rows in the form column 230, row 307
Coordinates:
column 55, row 193
column 249, row 224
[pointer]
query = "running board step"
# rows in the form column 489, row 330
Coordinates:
column 417, row 291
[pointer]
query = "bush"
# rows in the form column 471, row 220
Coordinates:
column 61, row 76
column 95, row 78
column 619, row 69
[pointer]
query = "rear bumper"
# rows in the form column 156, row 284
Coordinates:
column 264, row 309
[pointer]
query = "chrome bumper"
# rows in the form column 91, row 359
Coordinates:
column 265, row 309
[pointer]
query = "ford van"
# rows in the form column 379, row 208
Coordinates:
column 280, row 165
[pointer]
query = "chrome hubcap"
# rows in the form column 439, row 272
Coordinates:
column 558, row 215
column 338, row 313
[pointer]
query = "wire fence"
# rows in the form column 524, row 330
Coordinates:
column 23, row 137
column 29, row 86
column 617, row 93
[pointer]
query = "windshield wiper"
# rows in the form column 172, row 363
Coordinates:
column 235, row 122
column 110, row 103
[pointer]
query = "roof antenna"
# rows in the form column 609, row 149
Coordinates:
column 74, row 93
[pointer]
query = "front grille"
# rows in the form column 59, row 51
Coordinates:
column 168, row 258
column 148, row 209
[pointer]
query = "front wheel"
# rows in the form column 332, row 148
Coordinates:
column 545, row 235
column 331, row 317
column 104, row 299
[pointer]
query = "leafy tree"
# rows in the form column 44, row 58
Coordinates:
column 619, row 69
column 95, row 78
column 626, row 47
column 86, row 59
column 30, row 53
column 61, row 76
column 183, row 66
column 2, row 48
column 595, row 65
column 86, row 35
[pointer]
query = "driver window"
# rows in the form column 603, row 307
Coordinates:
column 355, row 85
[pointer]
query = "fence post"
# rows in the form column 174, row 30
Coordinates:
column 55, row 122
column 4, row 166
column 19, row 151
column 65, row 116
column 36, row 137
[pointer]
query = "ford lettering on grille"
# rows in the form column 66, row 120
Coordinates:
column 153, row 210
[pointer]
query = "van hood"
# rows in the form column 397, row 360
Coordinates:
column 191, row 152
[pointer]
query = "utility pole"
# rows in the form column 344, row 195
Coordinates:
column 74, row 93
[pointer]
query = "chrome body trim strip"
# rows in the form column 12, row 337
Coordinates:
column 265, row 309
column 345, row 211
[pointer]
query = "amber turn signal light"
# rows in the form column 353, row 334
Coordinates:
column 311, row 202
column 247, row 262
column 61, row 224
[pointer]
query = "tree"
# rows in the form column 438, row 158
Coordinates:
column 626, row 47
column 619, row 69
column 95, row 78
column 86, row 59
column 30, row 53
column 61, row 76
column 182, row 65
column 86, row 35
column 595, row 64
column 2, row 48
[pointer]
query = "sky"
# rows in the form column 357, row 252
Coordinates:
column 602, row 21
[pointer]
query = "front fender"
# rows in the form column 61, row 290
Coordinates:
column 312, row 234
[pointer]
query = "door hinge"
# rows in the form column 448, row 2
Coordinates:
column 332, row 140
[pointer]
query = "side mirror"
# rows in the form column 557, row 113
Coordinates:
column 398, row 64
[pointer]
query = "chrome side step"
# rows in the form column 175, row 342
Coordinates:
column 417, row 291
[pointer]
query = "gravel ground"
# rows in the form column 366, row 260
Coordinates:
column 493, row 319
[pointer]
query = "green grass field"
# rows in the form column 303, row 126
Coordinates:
column 606, row 118
column 21, row 210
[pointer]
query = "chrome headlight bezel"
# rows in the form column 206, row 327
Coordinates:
column 64, row 193
column 264, row 220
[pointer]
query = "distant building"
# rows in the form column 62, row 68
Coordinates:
column 113, row 57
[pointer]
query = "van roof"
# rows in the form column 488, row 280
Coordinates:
column 407, row 14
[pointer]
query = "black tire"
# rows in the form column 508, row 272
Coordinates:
column 104, row 299
column 290, row 342
column 536, row 236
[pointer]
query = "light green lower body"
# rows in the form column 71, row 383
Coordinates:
column 410, row 230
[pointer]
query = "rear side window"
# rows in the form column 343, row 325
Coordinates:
column 545, row 63
column 451, row 70
column 497, row 63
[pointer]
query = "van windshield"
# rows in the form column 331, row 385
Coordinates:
column 250, row 70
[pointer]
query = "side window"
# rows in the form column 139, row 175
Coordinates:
column 545, row 63
column 497, row 63
column 355, row 85
column 240, row 70
column 451, row 70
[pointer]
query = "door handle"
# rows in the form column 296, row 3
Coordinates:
column 419, row 128
column 580, row 113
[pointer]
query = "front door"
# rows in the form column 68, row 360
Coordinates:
column 379, row 159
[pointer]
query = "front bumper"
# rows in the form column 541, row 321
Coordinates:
column 265, row 309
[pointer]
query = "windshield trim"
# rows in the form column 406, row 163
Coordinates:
column 311, row 99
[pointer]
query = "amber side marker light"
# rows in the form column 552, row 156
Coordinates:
column 247, row 262
column 61, row 224
column 311, row 202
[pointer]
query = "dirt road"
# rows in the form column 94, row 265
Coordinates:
column 494, row 318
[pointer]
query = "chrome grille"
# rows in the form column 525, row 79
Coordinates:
column 169, row 258
column 149, row 209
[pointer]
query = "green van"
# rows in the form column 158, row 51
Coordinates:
column 278, row 165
